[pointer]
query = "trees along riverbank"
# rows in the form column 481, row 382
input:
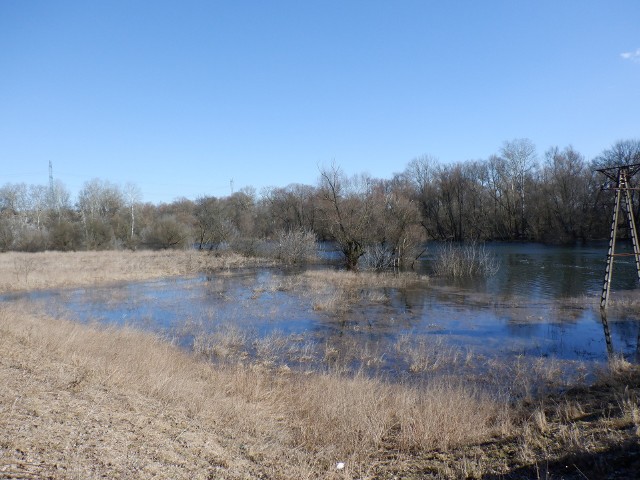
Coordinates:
column 514, row 195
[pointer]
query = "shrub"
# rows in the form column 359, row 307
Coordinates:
column 296, row 246
column 465, row 260
column 377, row 258
column 247, row 246
column 32, row 240
column 6, row 235
column 166, row 232
column 65, row 235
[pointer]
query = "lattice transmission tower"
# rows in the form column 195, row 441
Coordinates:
column 621, row 175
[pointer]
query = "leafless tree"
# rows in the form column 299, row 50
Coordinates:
column 347, row 210
column 520, row 160
column 98, row 203
column 623, row 152
column 132, row 197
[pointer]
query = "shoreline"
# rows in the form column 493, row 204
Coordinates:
column 88, row 401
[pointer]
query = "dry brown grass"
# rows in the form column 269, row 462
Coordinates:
column 586, row 430
column 32, row 271
column 80, row 401
column 84, row 401
column 335, row 291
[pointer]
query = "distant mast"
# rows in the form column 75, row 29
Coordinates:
column 51, row 179
column 53, row 198
column 231, row 185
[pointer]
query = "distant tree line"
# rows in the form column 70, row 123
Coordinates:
column 514, row 195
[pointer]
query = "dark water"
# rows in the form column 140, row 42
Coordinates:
column 543, row 302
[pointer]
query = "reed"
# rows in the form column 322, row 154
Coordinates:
column 336, row 291
column 464, row 260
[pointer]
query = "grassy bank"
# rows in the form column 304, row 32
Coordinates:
column 86, row 401
column 34, row 271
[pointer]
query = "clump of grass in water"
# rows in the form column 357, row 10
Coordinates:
column 465, row 260
column 228, row 342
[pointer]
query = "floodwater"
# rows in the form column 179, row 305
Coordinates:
column 542, row 303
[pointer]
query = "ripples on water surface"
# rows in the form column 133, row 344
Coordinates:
column 542, row 303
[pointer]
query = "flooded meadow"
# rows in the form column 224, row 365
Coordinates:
column 542, row 305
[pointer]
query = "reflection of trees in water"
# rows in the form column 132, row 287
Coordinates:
column 542, row 273
column 483, row 320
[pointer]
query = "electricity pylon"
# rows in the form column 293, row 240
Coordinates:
column 621, row 175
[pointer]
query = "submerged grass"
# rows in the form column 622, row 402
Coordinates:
column 465, row 260
column 86, row 401
column 336, row 291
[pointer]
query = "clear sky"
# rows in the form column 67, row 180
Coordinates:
column 181, row 97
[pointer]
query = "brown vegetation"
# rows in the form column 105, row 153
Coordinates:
column 335, row 291
column 465, row 260
column 87, row 402
column 34, row 271
column 84, row 401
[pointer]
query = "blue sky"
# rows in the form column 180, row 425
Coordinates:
column 182, row 97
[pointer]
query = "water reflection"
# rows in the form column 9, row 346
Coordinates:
column 537, row 271
column 542, row 303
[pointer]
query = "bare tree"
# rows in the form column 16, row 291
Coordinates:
column 38, row 195
column 167, row 232
column 132, row 196
column 422, row 174
column 623, row 152
column 98, row 203
column 291, row 207
column 395, row 223
column 520, row 157
column 347, row 209
column 564, row 196
column 14, row 201
column 213, row 225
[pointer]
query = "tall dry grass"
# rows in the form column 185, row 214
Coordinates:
column 335, row 291
column 85, row 401
column 32, row 271
column 465, row 260
column 80, row 401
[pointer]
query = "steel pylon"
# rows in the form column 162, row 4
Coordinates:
column 623, row 198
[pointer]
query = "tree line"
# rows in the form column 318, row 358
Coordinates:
column 514, row 195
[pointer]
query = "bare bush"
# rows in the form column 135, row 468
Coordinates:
column 465, row 260
column 377, row 258
column 296, row 246
column 248, row 246
column 167, row 232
